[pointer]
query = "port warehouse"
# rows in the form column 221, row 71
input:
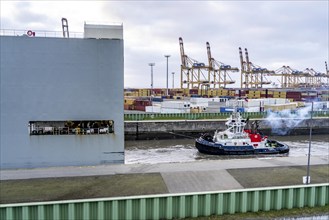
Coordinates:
column 72, row 84
column 174, row 206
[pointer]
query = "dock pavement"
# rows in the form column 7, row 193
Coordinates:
column 196, row 176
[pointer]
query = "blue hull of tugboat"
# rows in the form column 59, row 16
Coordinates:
column 209, row 147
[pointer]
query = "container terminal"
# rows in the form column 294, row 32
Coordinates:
column 212, row 82
column 91, row 129
column 218, row 100
column 61, row 118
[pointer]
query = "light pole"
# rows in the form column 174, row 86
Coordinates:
column 173, row 79
column 167, row 56
column 309, row 148
column 151, row 65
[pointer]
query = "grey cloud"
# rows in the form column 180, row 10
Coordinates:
column 293, row 32
column 290, row 32
column 25, row 18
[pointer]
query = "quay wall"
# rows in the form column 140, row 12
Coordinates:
column 192, row 128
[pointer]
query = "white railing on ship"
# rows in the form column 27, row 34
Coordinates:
column 38, row 33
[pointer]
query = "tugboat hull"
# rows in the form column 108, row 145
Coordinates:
column 236, row 140
column 210, row 147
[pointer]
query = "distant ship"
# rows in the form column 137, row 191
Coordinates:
column 236, row 140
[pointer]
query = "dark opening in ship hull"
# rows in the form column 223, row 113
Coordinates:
column 209, row 147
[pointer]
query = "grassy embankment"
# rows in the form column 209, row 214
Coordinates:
column 51, row 189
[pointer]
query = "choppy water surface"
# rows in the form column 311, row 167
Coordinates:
column 183, row 150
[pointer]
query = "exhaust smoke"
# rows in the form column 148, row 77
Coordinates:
column 283, row 122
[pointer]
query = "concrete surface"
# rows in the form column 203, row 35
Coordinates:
column 207, row 175
column 198, row 181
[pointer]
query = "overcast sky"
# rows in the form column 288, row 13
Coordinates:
column 276, row 33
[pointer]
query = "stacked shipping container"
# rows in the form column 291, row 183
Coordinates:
column 292, row 95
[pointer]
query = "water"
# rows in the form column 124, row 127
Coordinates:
column 183, row 150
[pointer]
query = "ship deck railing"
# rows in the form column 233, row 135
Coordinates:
column 38, row 33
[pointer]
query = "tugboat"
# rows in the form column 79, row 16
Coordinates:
column 236, row 140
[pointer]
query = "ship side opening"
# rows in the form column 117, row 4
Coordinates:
column 71, row 127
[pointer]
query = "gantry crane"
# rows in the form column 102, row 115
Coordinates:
column 291, row 78
column 219, row 72
column 308, row 78
column 252, row 76
column 194, row 74
column 315, row 78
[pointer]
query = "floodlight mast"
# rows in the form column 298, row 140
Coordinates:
column 151, row 65
column 167, row 89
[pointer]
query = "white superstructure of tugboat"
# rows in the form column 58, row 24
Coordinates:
column 237, row 140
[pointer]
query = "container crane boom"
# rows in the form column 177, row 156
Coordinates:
column 242, row 67
column 192, row 71
column 252, row 75
column 218, row 71
column 247, row 60
column 210, row 59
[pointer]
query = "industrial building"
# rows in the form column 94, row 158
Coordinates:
column 61, row 98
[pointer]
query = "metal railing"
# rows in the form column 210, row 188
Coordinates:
column 201, row 116
column 169, row 206
column 38, row 33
